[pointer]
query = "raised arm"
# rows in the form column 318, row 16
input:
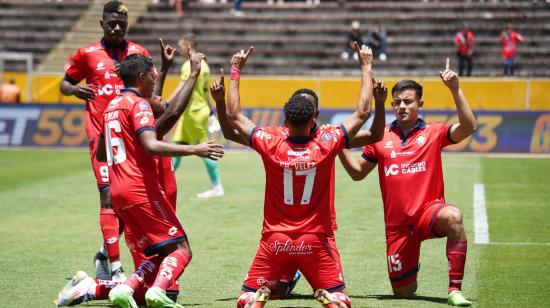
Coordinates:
column 235, row 117
column 155, row 147
column 217, row 90
column 363, row 109
column 180, row 99
column 466, row 120
column 357, row 169
column 167, row 54
column 376, row 132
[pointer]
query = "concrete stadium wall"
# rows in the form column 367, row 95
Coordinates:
column 341, row 93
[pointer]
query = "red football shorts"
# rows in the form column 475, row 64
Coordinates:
column 290, row 272
column 101, row 171
column 153, row 224
column 309, row 253
column 403, row 246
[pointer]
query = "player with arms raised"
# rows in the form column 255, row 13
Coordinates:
column 411, row 181
column 297, row 206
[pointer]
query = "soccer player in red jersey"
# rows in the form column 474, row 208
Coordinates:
column 289, row 279
column 82, row 289
column 96, row 64
column 411, row 182
column 297, row 214
column 131, row 143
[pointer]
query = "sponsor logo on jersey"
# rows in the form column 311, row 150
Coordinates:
column 395, row 169
column 143, row 240
column 299, row 153
column 389, row 144
column 261, row 134
column 100, row 66
column 393, row 155
column 144, row 121
column 133, row 48
column 421, row 140
column 91, row 49
column 143, row 106
column 326, row 137
column 291, row 249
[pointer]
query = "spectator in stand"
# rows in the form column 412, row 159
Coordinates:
column 10, row 92
column 237, row 8
column 376, row 40
column 464, row 42
column 353, row 36
column 509, row 40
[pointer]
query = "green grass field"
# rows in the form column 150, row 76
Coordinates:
column 49, row 229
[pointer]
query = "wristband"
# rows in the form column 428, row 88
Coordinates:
column 235, row 73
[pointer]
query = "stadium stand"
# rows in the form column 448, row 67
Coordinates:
column 35, row 26
column 294, row 38
column 300, row 39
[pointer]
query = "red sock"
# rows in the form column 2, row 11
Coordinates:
column 244, row 299
column 103, row 288
column 109, row 227
column 343, row 298
column 171, row 269
column 456, row 254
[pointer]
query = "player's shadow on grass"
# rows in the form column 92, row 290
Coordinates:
column 383, row 297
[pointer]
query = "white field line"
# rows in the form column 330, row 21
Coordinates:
column 518, row 243
column 481, row 226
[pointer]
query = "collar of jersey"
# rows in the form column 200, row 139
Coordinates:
column 299, row 139
column 106, row 45
column 130, row 90
column 421, row 124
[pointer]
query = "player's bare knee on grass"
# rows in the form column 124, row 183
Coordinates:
column 450, row 221
column 405, row 292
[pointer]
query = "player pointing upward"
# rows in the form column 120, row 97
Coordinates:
column 297, row 213
column 411, row 181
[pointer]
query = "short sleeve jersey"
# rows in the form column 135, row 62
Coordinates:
column 298, row 170
column 199, row 96
column 134, row 173
column 96, row 64
column 314, row 133
column 409, row 170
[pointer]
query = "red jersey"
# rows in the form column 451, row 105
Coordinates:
column 298, row 170
column 510, row 41
column 96, row 63
column 464, row 41
column 313, row 134
column 167, row 178
column 134, row 174
column 409, row 170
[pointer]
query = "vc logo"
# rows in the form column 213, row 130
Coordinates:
column 393, row 169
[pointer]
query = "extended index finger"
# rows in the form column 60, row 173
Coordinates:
column 222, row 76
column 447, row 64
column 249, row 51
column 161, row 44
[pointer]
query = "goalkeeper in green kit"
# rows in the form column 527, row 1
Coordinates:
column 198, row 117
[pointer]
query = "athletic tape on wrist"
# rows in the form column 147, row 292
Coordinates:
column 235, row 73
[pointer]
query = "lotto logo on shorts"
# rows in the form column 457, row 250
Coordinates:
column 172, row 231
column 111, row 240
column 261, row 281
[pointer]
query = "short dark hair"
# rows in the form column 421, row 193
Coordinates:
column 190, row 38
column 133, row 65
column 115, row 7
column 308, row 92
column 407, row 84
column 298, row 110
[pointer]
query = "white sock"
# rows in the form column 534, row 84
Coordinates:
column 115, row 265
